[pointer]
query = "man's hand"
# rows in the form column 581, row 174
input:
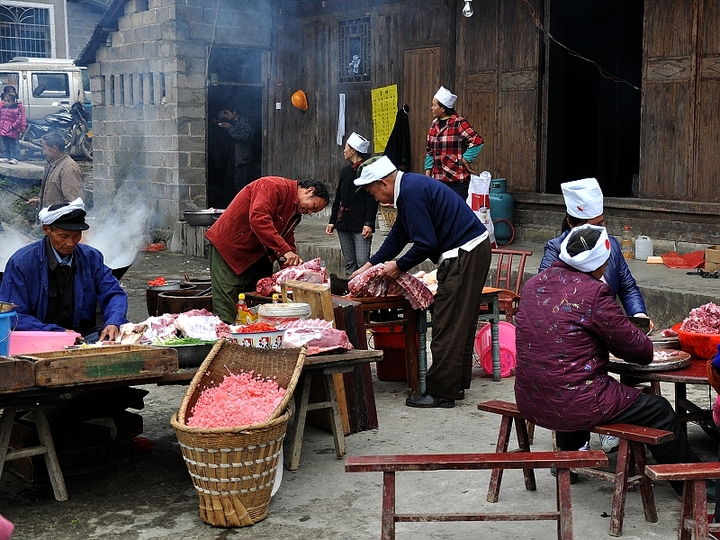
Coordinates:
column 330, row 228
column 109, row 333
column 391, row 270
column 291, row 259
column 366, row 232
column 360, row 270
column 34, row 201
column 224, row 125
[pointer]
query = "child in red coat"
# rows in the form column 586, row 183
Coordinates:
column 12, row 123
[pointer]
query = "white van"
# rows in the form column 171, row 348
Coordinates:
column 42, row 82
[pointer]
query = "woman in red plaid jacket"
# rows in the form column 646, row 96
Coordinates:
column 452, row 144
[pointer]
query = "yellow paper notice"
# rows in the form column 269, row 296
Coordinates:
column 384, row 111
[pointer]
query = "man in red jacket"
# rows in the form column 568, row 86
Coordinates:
column 256, row 229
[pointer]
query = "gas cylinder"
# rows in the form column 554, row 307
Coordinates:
column 501, row 207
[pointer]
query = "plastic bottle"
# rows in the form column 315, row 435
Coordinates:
column 643, row 247
column 626, row 244
column 243, row 313
column 275, row 298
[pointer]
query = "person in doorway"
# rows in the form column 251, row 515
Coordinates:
column 12, row 123
column 452, row 144
column 567, row 324
column 257, row 229
column 238, row 152
column 63, row 179
column 57, row 282
column 444, row 229
column 353, row 211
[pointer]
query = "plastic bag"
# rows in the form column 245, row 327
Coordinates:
column 479, row 201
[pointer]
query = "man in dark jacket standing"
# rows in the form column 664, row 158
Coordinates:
column 444, row 229
column 567, row 324
column 257, row 229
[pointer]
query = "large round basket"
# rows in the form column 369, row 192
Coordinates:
column 388, row 213
column 233, row 469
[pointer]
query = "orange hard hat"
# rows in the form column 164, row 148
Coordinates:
column 299, row 100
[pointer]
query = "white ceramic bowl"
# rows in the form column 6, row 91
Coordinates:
column 260, row 340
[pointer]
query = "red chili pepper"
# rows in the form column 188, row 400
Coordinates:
column 256, row 327
column 160, row 280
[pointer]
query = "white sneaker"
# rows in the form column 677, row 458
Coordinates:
column 609, row 443
column 12, row 161
column 4, row 160
column 585, row 447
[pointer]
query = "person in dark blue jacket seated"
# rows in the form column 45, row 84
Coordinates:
column 57, row 282
column 444, row 229
column 584, row 204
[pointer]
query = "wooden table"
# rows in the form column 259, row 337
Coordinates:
column 687, row 411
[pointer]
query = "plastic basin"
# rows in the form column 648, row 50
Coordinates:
column 483, row 348
column 698, row 345
column 33, row 341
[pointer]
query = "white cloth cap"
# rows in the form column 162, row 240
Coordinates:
column 377, row 170
column 445, row 97
column 591, row 259
column 583, row 198
column 48, row 217
column 359, row 143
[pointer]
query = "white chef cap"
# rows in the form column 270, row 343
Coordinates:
column 375, row 169
column 358, row 142
column 583, row 198
column 445, row 97
column 594, row 256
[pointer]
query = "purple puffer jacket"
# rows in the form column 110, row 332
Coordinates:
column 12, row 121
column 567, row 323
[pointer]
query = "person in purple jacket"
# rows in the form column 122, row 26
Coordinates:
column 566, row 325
column 442, row 228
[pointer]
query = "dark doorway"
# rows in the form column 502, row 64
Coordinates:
column 235, row 84
column 593, row 120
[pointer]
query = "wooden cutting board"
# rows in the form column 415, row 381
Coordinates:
column 667, row 360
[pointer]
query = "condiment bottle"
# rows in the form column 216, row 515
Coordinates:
column 626, row 244
column 243, row 313
column 275, row 298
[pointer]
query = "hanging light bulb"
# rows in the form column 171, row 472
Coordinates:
column 468, row 10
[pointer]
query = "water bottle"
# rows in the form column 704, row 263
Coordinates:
column 626, row 244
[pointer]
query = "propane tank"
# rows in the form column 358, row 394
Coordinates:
column 501, row 207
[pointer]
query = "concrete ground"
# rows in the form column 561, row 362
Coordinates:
column 153, row 498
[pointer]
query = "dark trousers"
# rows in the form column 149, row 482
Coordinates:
column 10, row 148
column 454, row 320
column 461, row 188
column 650, row 411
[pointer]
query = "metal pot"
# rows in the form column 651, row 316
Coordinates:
column 203, row 218
column 120, row 272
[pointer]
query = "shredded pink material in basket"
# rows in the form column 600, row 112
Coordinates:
column 241, row 399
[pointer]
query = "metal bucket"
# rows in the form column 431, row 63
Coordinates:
column 182, row 300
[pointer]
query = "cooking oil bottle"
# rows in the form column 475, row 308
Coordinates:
column 243, row 315
column 626, row 244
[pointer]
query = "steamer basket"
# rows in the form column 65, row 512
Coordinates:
column 233, row 469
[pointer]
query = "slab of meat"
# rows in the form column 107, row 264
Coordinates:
column 371, row 283
column 317, row 335
column 265, row 286
column 309, row 272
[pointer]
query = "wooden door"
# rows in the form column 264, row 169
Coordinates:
column 421, row 79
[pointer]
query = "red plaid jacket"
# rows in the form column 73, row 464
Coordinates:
column 445, row 145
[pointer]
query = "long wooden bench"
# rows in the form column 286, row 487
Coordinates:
column 693, row 523
column 562, row 461
column 629, row 470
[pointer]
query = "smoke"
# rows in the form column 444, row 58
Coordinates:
column 12, row 240
column 119, row 229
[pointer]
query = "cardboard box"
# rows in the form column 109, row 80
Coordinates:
column 712, row 258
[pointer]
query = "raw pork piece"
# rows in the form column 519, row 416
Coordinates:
column 309, row 272
column 371, row 283
column 316, row 334
column 265, row 286
column 703, row 320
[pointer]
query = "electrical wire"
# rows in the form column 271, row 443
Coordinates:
column 603, row 72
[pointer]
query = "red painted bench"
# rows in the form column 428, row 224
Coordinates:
column 693, row 523
column 629, row 471
column 562, row 461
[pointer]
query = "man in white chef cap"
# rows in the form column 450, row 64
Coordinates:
column 354, row 210
column 566, row 325
column 452, row 144
column 57, row 282
column 442, row 228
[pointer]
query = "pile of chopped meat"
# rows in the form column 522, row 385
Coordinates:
column 309, row 272
column 372, row 283
column 703, row 320
column 240, row 399
column 196, row 323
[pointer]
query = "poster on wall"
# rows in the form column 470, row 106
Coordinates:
column 384, row 111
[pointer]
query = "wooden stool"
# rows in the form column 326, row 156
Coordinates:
column 630, row 460
column 693, row 523
column 509, row 412
column 562, row 461
column 46, row 447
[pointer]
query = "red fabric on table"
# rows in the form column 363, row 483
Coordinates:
column 694, row 259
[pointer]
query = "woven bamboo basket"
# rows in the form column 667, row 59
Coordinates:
column 388, row 213
column 233, row 469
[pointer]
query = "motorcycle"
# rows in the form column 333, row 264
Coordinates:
column 72, row 123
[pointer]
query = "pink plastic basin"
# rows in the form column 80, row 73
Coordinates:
column 30, row 341
column 483, row 348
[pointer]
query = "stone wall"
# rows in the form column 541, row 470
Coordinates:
column 81, row 21
column 150, row 98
